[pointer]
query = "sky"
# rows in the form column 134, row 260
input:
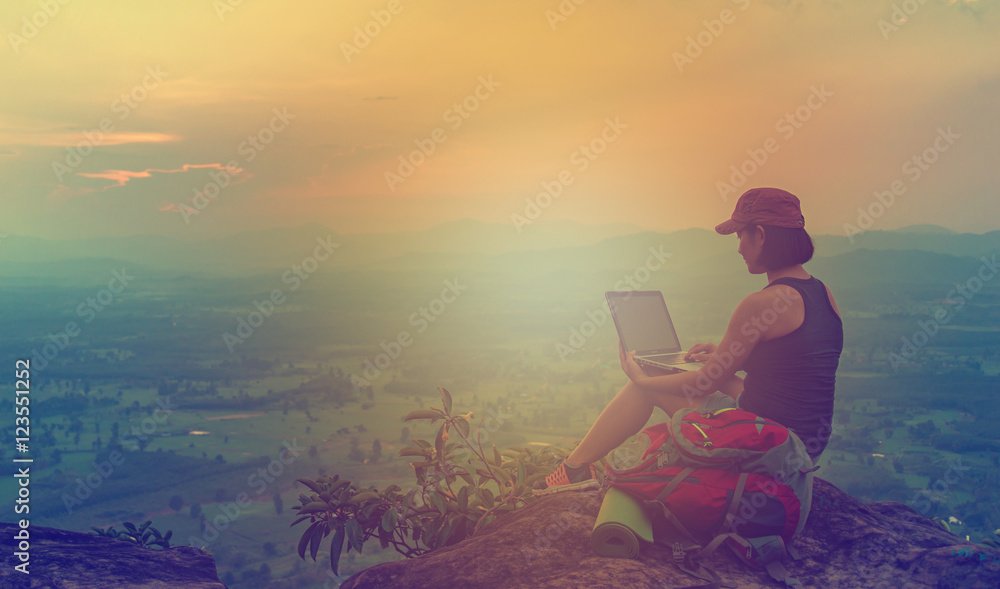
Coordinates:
column 202, row 118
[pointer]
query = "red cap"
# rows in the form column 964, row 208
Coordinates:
column 764, row 206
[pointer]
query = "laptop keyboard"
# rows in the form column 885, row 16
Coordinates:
column 666, row 358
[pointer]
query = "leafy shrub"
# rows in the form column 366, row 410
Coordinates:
column 140, row 536
column 460, row 488
column 991, row 542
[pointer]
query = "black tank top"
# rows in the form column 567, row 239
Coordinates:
column 791, row 379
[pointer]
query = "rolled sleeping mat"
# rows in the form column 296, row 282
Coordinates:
column 621, row 527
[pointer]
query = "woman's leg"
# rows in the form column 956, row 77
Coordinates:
column 622, row 418
column 628, row 412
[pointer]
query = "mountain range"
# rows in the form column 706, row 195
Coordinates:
column 918, row 254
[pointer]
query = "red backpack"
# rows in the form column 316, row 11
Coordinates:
column 724, row 477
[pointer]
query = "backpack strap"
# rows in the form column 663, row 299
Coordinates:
column 686, row 552
column 682, row 558
column 718, row 540
column 677, row 525
column 768, row 550
column 735, row 503
column 779, row 573
column 793, row 552
column 678, row 479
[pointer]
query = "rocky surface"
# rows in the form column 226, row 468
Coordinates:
column 846, row 543
column 73, row 560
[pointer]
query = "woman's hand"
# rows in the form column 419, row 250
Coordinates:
column 700, row 352
column 630, row 366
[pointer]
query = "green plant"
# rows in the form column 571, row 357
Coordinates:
column 460, row 488
column 942, row 522
column 109, row 533
column 140, row 536
column 991, row 542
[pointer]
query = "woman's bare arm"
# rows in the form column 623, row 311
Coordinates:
column 719, row 372
column 732, row 387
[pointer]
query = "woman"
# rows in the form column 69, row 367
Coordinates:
column 787, row 338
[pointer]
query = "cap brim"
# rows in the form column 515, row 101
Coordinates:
column 727, row 227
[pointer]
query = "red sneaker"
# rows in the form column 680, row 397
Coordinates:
column 568, row 478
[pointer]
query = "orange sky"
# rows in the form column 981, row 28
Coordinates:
column 120, row 118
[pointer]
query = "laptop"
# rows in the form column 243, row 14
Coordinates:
column 644, row 325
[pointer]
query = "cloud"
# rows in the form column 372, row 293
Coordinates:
column 123, row 176
column 120, row 178
column 92, row 138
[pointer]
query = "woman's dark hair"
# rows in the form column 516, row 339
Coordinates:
column 783, row 246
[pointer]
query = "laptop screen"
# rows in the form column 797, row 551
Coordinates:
column 643, row 322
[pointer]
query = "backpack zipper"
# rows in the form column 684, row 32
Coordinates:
column 645, row 464
column 655, row 478
column 740, row 422
column 735, row 462
column 712, row 414
column 708, row 441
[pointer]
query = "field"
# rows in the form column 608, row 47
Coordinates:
column 195, row 426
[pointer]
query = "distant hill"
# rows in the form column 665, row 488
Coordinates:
column 923, row 253
column 254, row 251
column 899, row 267
column 941, row 241
column 925, row 229
column 85, row 272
